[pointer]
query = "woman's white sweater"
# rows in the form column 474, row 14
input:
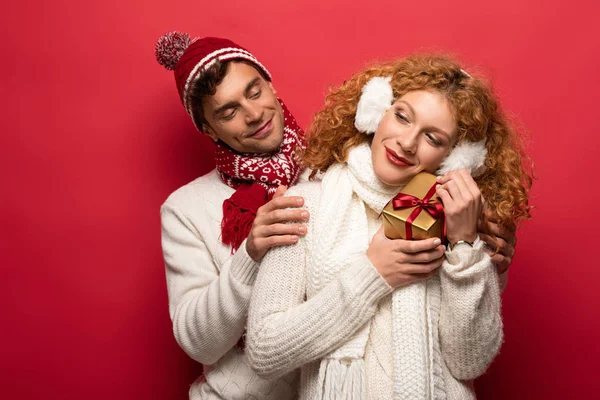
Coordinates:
column 291, row 326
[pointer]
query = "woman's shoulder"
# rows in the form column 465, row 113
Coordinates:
column 310, row 191
column 308, row 188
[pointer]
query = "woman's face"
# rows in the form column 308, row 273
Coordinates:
column 415, row 135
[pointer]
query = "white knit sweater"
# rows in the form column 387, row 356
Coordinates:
column 291, row 326
column 209, row 294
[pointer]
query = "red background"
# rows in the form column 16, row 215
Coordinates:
column 94, row 139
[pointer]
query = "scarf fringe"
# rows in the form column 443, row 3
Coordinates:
column 235, row 225
column 342, row 380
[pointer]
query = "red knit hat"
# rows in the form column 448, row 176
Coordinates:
column 189, row 58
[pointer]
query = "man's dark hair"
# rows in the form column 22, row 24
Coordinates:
column 206, row 85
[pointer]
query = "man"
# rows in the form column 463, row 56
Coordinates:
column 238, row 207
column 230, row 97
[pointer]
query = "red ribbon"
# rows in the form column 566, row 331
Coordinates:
column 434, row 208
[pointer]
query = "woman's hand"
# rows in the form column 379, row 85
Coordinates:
column 401, row 262
column 462, row 205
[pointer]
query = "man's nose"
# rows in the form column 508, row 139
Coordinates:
column 253, row 113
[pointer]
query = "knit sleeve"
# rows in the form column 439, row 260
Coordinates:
column 286, row 331
column 208, row 306
column 470, row 320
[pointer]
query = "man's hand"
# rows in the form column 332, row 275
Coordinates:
column 500, row 242
column 271, row 227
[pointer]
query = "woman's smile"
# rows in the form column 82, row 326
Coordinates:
column 396, row 159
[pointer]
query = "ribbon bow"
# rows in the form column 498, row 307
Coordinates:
column 434, row 208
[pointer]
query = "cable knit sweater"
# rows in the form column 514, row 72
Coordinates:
column 291, row 326
column 209, row 294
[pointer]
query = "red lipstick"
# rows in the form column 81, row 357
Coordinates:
column 396, row 159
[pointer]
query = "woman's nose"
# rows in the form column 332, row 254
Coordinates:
column 408, row 141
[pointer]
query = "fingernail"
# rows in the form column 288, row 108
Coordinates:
column 437, row 242
column 437, row 178
column 302, row 229
column 300, row 200
column 304, row 214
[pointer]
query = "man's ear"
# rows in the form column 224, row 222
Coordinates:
column 209, row 131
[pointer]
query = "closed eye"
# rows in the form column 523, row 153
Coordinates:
column 255, row 94
column 229, row 115
column 401, row 117
column 433, row 140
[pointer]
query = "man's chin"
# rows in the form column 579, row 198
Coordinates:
column 273, row 141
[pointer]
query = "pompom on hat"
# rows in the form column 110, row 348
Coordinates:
column 188, row 58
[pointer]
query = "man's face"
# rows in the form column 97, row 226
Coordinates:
column 244, row 112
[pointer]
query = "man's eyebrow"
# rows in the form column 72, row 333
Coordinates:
column 250, row 85
column 219, row 110
column 232, row 104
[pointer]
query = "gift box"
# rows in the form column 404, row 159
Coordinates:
column 416, row 212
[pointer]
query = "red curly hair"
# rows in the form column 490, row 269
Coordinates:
column 508, row 177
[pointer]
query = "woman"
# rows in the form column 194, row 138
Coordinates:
column 363, row 316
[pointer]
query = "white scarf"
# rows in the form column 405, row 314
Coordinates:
column 341, row 230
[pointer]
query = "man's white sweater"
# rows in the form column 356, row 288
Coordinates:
column 290, row 326
column 209, row 294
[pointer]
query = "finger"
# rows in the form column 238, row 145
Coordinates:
column 490, row 241
column 281, row 203
column 503, row 232
column 443, row 178
column 462, row 187
column 422, row 268
column 445, row 198
column 502, row 263
column 416, row 246
column 278, row 240
column 278, row 216
column 481, row 227
column 280, row 191
column 279, row 229
column 498, row 245
column 455, row 193
column 425, row 257
column 470, row 184
column 490, row 215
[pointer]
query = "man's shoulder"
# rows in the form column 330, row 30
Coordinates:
column 208, row 187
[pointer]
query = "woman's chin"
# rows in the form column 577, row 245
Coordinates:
column 394, row 180
column 394, row 176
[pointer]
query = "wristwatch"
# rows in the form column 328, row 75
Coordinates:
column 452, row 245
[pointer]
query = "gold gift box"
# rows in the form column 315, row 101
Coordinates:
column 424, row 226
